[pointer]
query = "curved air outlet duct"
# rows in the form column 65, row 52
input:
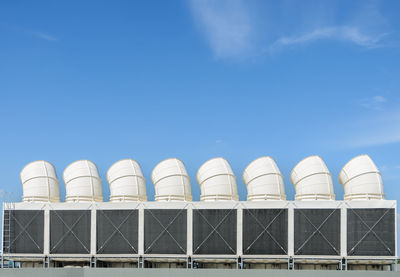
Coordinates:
column 171, row 181
column 217, row 181
column 126, row 182
column 39, row 182
column 361, row 179
column 312, row 180
column 82, row 182
column 263, row 180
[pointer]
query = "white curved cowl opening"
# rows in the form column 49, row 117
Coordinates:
column 39, row 182
column 264, row 180
column 217, row 181
column 171, row 181
column 361, row 180
column 82, row 182
column 312, row 180
column 126, row 182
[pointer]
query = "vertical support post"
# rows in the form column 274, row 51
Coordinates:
column 239, row 231
column 93, row 232
column 395, row 230
column 343, row 230
column 290, row 230
column 189, row 237
column 293, row 264
column 46, row 232
column 141, row 231
column 2, row 230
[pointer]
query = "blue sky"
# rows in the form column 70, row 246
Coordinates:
column 149, row 80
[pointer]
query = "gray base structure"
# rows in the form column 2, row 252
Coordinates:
column 89, row 272
column 291, row 235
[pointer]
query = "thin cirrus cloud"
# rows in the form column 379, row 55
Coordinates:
column 234, row 28
column 225, row 24
column 374, row 130
column 374, row 103
column 29, row 32
column 350, row 34
column 42, row 35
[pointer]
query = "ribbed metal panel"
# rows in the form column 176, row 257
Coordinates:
column 265, row 231
column 371, row 232
column 25, row 231
column 165, row 231
column 117, row 232
column 214, row 231
column 317, row 232
column 70, row 231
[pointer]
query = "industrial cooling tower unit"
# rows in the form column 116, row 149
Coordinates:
column 314, row 231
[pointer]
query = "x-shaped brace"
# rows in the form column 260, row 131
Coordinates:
column 117, row 230
column 370, row 230
column 24, row 230
column 317, row 230
column 70, row 230
column 165, row 230
column 265, row 230
column 214, row 230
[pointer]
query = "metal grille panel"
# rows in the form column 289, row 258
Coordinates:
column 214, row 231
column 25, row 231
column 371, row 232
column 265, row 231
column 317, row 231
column 117, row 231
column 165, row 231
column 70, row 231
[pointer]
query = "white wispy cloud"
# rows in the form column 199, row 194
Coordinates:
column 239, row 28
column 374, row 103
column 350, row 34
column 29, row 32
column 390, row 172
column 375, row 131
column 225, row 24
column 41, row 35
column 379, row 138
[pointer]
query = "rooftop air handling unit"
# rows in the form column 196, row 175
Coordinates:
column 82, row 182
column 312, row 180
column 171, row 181
column 126, row 182
column 361, row 179
column 40, row 183
column 217, row 181
column 263, row 180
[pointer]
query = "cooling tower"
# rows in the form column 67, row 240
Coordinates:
column 126, row 182
column 171, row 181
column 263, row 180
column 361, row 179
column 312, row 180
column 82, row 182
column 39, row 182
column 217, row 181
